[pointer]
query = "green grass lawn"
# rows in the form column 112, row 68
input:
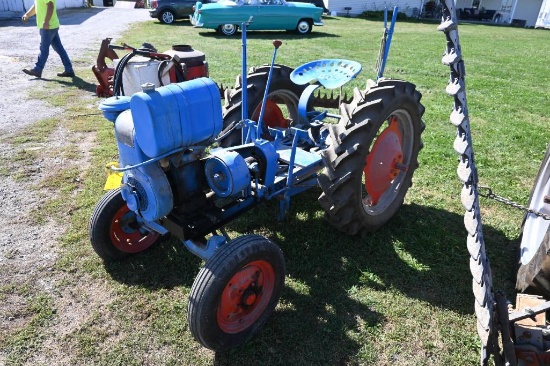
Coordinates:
column 402, row 296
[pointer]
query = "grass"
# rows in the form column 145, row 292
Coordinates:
column 400, row 296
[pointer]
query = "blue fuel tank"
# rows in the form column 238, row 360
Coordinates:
column 177, row 115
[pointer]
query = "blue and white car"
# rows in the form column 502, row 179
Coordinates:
column 226, row 16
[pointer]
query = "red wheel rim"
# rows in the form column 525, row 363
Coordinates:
column 246, row 296
column 125, row 233
column 384, row 162
column 273, row 116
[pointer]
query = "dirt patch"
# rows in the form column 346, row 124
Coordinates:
column 28, row 244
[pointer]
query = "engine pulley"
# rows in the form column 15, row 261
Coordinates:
column 227, row 173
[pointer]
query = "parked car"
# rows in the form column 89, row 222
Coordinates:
column 167, row 11
column 226, row 16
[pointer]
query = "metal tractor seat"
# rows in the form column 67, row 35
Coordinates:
column 329, row 73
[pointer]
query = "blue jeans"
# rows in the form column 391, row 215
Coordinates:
column 50, row 37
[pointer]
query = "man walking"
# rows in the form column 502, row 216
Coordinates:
column 48, row 24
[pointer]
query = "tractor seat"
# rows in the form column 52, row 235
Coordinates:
column 330, row 73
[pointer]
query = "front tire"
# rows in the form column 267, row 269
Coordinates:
column 167, row 17
column 115, row 232
column 372, row 156
column 235, row 292
column 534, row 244
column 304, row 26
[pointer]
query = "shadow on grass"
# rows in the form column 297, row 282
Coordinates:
column 421, row 253
column 164, row 266
column 75, row 82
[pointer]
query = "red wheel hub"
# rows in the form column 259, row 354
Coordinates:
column 246, row 296
column 273, row 116
column 125, row 233
column 384, row 162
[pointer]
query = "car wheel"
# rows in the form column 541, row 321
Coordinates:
column 167, row 17
column 304, row 26
column 227, row 29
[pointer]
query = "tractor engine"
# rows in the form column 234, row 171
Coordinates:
column 161, row 137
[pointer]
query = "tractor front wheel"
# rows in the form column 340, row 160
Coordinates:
column 372, row 156
column 534, row 244
column 115, row 231
column 235, row 292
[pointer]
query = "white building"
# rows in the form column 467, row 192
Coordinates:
column 356, row 7
column 16, row 8
column 517, row 12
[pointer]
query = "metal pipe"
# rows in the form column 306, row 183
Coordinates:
column 387, row 44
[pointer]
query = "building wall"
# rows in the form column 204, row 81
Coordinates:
column 543, row 20
column 359, row 6
column 528, row 10
column 490, row 4
column 16, row 8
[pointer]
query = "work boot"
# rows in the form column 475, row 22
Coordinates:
column 66, row 74
column 33, row 72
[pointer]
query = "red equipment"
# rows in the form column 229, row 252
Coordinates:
column 188, row 64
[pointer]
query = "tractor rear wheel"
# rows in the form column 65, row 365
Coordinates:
column 534, row 244
column 115, row 231
column 372, row 156
column 235, row 292
column 281, row 106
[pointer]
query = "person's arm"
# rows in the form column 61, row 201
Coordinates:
column 28, row 14
column 49, row 14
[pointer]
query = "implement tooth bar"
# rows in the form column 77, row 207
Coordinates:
column 484, row 304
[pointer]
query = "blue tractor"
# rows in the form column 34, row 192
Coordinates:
column 190, row 166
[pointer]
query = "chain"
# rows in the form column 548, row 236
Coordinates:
column 489, row 194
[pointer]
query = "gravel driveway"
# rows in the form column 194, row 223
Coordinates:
column 81, row 32
column 27, row 248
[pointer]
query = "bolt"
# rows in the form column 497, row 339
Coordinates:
column 546, row 199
